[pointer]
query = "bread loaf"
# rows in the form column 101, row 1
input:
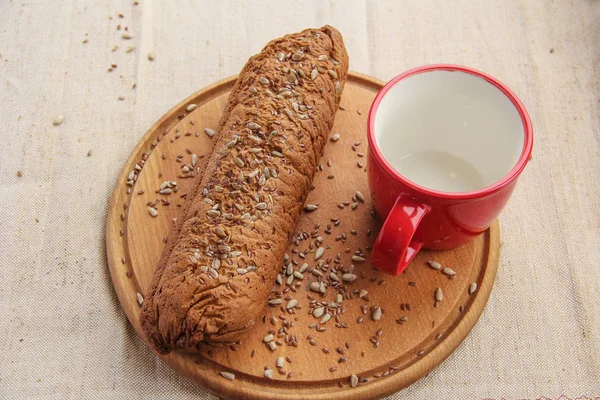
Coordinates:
column 223, row 256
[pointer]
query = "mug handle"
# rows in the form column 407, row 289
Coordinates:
column 395, row 247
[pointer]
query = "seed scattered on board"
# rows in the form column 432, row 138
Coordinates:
column 127, row 36
column 190, row 107
column 310, row 207
column 435, row 265
column 140, row 299
column 268, row 373
column 209, row 132
column 353, row 381
column 448, row 271
column 376, row 316
column 151, row 56
column 152, row 211
column 227, row 375
column 472, row 287
column 439, row 296
column 335, row 137
column 58, row 120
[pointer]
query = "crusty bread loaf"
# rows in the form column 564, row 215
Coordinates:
column 221, row 260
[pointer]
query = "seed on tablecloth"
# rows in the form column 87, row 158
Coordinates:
column 151, row 56
column 58, row 120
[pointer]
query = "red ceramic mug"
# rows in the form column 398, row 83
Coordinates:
column 446, row 146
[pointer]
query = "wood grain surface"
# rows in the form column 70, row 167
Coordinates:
column 386, row 355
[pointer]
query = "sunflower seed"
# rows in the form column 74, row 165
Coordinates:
column 319, row 253
column 194, row 159
column 322, row 57
column 439, row 296
column 268, row 338
column 360, row 196
column 216, row 264
column 272, row 346
column 231, row 143
column 353, row 381
column 131, row 176
column 209, row 132
column 298, row 56
column 318, row 312
column 303, row 268
column 263, row 80
column 165, row 191
column 310, row 207
column 362, row 293
column 472, row 287
column 127, row 36
column 313, row 74
column 334, row 277
column 335, row 137
column 280, row 362
column 152, row 212
column 275, row 153
column 58, row 120
column 269, row 373
column 337, row 87
column 253, row 126
column 140, row 299
column 261, row 206
column 227, row 375
column 291, row 304
column 315, row 286
column 275, row 302
column 376, row 315
column 349, row 277
column 332, row 74
column 358, row 258
column 435, row 265
column 325, row 318
column 234, row 254
column 213, row 273
column 298, row 275
column 339, row 298
column 448, row 271
column 151, row 56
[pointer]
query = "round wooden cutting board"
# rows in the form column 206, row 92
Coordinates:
column 415, row 332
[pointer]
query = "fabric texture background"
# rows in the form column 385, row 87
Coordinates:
column 63, row 334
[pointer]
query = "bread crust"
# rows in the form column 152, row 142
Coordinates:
column 222, row 258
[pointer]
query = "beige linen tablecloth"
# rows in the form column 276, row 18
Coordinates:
column 63, row 334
